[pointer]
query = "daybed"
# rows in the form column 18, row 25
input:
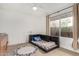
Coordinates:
column 44, row 42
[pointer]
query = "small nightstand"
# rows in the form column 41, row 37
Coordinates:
column 3, row 42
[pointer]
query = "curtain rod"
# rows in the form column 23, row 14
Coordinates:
column 60, row 10
column 61, row 14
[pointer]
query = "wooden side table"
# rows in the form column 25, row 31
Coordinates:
column 3, row 42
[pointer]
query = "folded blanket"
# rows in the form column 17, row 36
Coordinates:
column 44, row 44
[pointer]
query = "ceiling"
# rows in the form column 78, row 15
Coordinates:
column 53, row 7
column 46, row 8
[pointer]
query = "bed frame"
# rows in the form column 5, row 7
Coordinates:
column 45, row 38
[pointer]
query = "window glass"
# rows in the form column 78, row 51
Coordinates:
column 66, row 27
column 54, row 28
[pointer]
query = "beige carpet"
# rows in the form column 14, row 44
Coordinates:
column 55, row 52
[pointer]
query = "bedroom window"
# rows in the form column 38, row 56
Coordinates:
column 61, row 25
column 66, row 27
column 54, row 28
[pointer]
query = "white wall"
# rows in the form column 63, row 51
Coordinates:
column 66, row 43
column 19, row 22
